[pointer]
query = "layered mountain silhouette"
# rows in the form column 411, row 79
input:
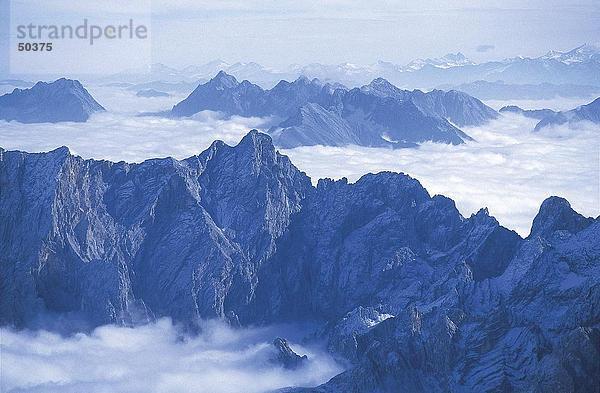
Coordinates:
column 378, row 114
column 589, row 112
column 532, row 113
column 499, row 90
column 58, row 101
column 412, row 294
column 149, row 93
column 579, row 66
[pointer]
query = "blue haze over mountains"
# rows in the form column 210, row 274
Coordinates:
column 407, row 290
column 61, row 100
column 404, row 289
column 573, row 73
column 378, row 114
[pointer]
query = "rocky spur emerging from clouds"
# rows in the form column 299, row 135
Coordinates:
column 158, row 357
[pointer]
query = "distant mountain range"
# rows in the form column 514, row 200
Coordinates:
column 548, row 117
column 531, row 113
column 499, row 90
column 411, row 294
column 149, row 93
column 377, row 114
column 61, row 100
column 579, row 66
column 589, row 112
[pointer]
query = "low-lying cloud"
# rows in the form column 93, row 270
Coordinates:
column 510, row 169
column 122, row 137
column 156, row 357
column 556, row 103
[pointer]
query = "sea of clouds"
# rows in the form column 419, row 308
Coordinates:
column 508, row 168
column 157, row 358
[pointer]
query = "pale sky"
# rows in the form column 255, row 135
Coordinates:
column 283, row 32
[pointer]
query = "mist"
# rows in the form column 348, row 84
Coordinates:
column 508, row 168
column 158, row 357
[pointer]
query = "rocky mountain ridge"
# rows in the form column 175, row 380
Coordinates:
column 409, row 291
column 378, row 114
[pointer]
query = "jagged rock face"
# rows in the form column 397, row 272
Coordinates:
column 556, row 214
column 61, row 100
column 378, row 114
column 460, row 108
column 285, row 356
column 382, row 240
column 397, row 121
column 535, row 327
column 412, row 293
column 118, row 241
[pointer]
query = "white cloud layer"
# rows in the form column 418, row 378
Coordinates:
column 154, row 358
column 509, row 168
column 556, row 103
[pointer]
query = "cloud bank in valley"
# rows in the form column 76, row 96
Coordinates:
column 122, row 137
column 509, row 168
column 156, row 357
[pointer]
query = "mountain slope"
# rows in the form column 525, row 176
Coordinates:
column 118, row 242
column 61, row 100
column 498, row 90
column 520, row 328
column 411, row 293
column 378, row 114
column 589, row 112
column 314, row 125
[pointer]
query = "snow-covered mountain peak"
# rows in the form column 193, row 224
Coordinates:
column 447, row 61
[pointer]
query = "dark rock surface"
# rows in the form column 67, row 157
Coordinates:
column 285, row 356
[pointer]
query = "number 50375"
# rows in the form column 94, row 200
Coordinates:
column 34, row 46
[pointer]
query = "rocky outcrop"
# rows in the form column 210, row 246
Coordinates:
column 535, row 326
column 285, row 356
column 118, row 242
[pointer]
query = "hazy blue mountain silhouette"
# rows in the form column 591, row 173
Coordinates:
column 532, row 113
column 378, row 114
column 589, row 112
column 61, row 100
